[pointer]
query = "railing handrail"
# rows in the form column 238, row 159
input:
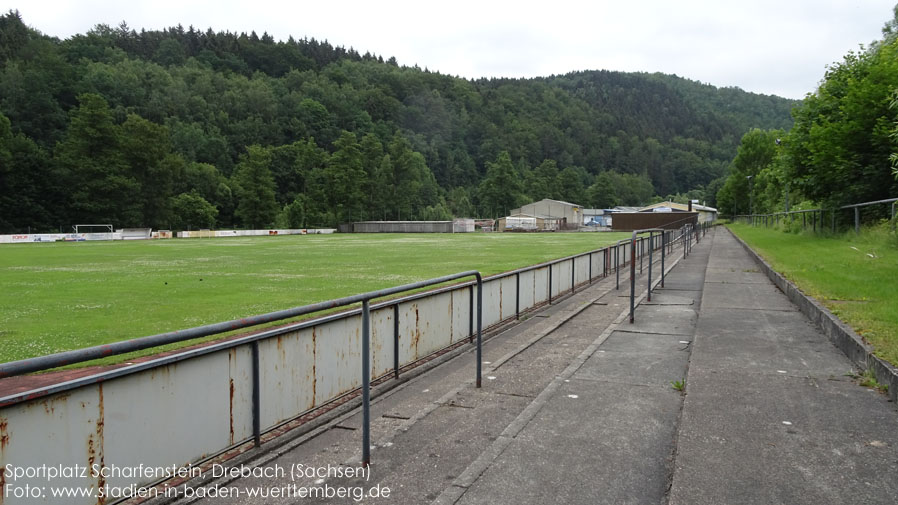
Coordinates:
column 888, row 200
column 50, row 361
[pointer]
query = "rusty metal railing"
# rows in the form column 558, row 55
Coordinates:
column 688, row 233
column 91, row 353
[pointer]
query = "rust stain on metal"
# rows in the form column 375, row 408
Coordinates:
column 417, row 336
column 500, row 299
column 4, row 441
column 95, row 444
column 49, row 403
column 231, row 407
column 314, row 368
column 451, row 318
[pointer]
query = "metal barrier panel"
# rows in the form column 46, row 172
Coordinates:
column 463, row 325
column 540, row 281
column 492, row 302
column 508, row 294
column 561, row 278
column 581, row 269
column 240, row 389
column 381, row 341
column 288, row 382
column 425, row 327
column 338, row 352
column 142, row 410
column 528, row 290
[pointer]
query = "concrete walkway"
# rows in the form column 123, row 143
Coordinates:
column 579, row 406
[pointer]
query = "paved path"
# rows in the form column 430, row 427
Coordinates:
column 578, row 406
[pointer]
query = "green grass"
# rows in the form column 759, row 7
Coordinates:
column 855, row 277
column 62, row 296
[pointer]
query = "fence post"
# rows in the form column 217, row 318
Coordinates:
column 396, row 341
column 471, row 313
column 257, row 396
column 550, row 284
column 617, row 265
column 632, row 275
column 517, row 295
column 651, row 248
column 366, row 384
column 857, row 220
column 663, row 248
column 479, row 328
column 590, row 268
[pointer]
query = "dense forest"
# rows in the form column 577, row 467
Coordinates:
column 183, row 128
column 842, row 149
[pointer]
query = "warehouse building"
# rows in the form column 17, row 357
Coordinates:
column 569, row 214
column 705, row 214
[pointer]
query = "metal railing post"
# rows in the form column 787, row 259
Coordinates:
column 617, row 265
column 641, row 252
column 857, row 220
column 573, row 278
column 590, row 268
column 257, row 396
column 479, row 327
column 550, row 284
column 396, row 341
column 471, row 313
column 663, row 249
column 366, row 384
column 632, row 276
column 517, row 296
column 651, row 247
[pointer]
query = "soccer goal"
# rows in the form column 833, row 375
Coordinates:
column 94, row 231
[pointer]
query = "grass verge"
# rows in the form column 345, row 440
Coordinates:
column 853, row 276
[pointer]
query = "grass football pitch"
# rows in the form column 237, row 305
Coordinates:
column 63, row 296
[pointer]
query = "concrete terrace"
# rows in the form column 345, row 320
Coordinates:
column 578, row 406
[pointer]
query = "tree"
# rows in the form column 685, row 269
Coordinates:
column 146, row 149
column 500, row 190
column 841, row 142
column 102, row 189
column 192, row 211
column 602, row 193
column 256, row 204
column 755, row 155
column 345, row 178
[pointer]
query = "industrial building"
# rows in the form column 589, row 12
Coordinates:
column 570, row 215
column 705, row 214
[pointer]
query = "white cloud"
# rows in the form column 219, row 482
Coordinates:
column 779, row 47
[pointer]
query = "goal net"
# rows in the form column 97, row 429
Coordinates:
column 94, row 231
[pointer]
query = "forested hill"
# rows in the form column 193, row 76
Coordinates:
column 184, row 128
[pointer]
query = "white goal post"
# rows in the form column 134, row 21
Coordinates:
column 93, row 228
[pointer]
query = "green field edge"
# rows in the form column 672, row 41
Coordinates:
column 874, row 294
column 142, row 355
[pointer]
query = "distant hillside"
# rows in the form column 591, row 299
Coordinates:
column 182, row 127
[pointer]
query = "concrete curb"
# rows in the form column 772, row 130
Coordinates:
column 839, row 333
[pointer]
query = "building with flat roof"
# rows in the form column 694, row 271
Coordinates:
column 705, row 214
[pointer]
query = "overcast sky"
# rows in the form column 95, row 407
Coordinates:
column 772, row 47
